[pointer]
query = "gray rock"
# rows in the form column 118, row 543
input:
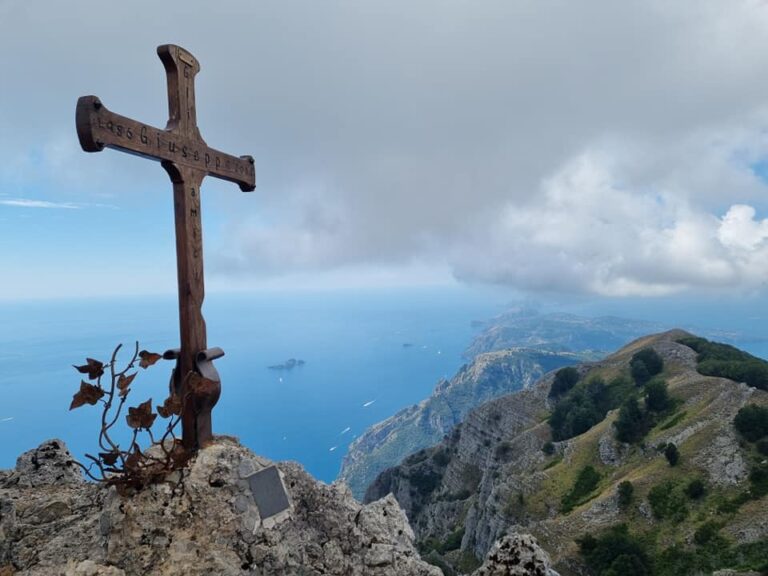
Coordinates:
column 612, row 452
column 516, row 555
column 50, row 463
column 90, row 568
column 204, row 523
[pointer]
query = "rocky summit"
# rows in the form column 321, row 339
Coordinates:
column 202, row 522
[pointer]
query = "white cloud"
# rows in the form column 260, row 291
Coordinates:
column 587, row 233
column 740, row 231
column 594, row 146
column 33, row 203
column 27, row 203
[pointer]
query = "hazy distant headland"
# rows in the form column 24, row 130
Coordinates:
column 289, row 364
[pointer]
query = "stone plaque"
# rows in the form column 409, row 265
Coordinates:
column 269, row 492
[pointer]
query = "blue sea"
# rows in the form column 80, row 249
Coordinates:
column 368, row 353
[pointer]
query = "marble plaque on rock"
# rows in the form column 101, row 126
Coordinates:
column 269, row 492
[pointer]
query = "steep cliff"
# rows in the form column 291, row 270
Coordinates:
column 488, row 376
column 499, row 471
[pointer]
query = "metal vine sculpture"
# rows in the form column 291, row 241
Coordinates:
column 110, row 386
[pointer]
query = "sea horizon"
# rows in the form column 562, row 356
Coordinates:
column 366, row 353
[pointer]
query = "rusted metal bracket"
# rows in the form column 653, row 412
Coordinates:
column 203, row 365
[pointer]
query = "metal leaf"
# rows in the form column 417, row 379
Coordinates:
column 88, row 394
column 172, row 405
column 148, row 358
column 141, row 416
column 124, row 382
column 93, row 368
column 134, row 459
column 109, row 458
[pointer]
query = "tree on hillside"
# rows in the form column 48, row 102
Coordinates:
column 657, row 396
column 580, row 409
column 752, row 422
column 631, row 423
column 645, row 364
column 565, row 379
column 615, row 552
column 585, row 484
column 726, row 361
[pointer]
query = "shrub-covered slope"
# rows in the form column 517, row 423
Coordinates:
column 688, row 488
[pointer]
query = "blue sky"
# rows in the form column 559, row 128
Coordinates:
column 607, row 149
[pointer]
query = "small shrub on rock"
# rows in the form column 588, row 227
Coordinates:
column 672, row 454
column 626, row 494
column 668, row 502
column 585, row 484
column 695, row 489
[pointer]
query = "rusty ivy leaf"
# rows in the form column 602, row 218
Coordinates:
column 92, row 367
column 88, row 394
column 148, row 358
column 124, row 382
column 172, row 405
column 179, row 456
column 133, row 461
column 109, row 458
column 141, row 416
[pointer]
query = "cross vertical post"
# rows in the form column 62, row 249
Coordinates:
column 187, row 159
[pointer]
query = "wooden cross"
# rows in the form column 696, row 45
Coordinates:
column 187, row 159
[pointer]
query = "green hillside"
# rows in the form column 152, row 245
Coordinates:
column 622, row 469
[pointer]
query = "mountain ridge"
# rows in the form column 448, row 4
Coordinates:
column 415, row 427
column 492, row 474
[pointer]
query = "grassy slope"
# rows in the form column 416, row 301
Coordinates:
column 701, row 420
column 645, row 467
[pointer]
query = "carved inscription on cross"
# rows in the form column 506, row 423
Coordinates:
column 187, row 159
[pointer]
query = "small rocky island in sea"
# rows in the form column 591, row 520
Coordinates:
column 289, row 364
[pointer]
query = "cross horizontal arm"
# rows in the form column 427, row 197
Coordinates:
column 98, row 128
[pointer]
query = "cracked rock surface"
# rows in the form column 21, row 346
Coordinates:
column 52, row 523
column 516, row 555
